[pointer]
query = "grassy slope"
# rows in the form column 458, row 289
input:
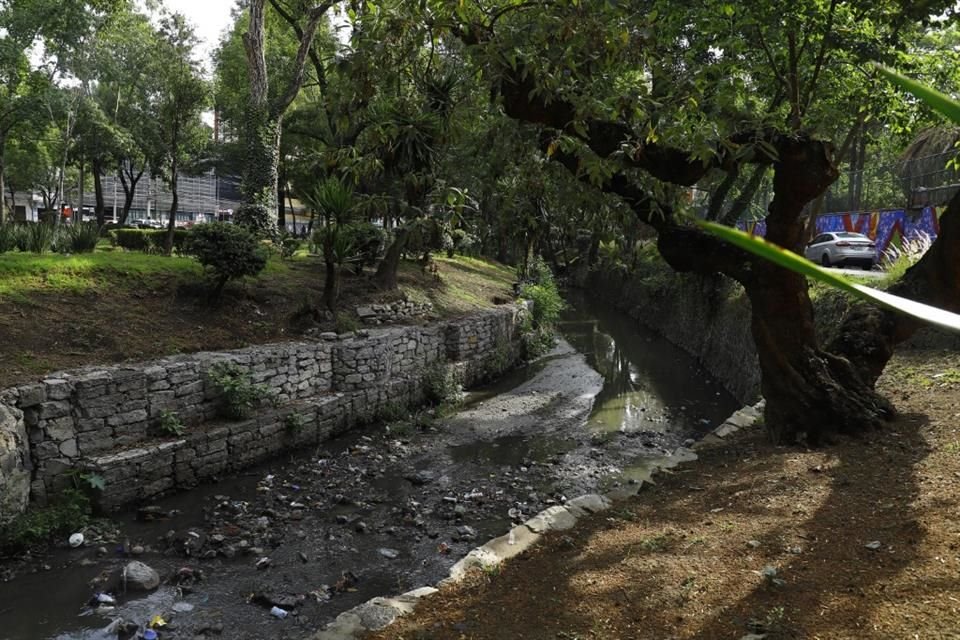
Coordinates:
column 59, row 312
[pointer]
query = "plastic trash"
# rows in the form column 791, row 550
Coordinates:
column 76, row 540
column 279, row 613
column 105, row 598
column 150, row 634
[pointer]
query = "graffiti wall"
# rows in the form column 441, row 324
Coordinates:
column 886, row 228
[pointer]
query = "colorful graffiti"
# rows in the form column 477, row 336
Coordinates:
column 886, row 228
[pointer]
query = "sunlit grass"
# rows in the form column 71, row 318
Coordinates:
column 23, row 273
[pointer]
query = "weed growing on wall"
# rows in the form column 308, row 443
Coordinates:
column 170, row 424
column 239, row 396
column 441, row 387
column 538, row 329
column 294, row 422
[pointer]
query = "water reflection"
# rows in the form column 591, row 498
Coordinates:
column 649, row 384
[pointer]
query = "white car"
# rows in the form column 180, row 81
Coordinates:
column 842, row 248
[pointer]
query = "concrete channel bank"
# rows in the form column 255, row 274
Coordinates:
column 105, row 420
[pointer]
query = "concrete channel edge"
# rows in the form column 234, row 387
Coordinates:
column 378, row 613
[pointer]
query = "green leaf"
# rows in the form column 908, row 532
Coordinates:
column 939, row 102
column 792, row 261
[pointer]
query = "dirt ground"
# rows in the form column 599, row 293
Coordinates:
column 118, row 315
column 857, row 540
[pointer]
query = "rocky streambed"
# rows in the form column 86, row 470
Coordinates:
column 284, row 548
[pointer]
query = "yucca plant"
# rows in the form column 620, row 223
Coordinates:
column 39, row 237
column 81, row 237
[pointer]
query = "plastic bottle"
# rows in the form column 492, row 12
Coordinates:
column 279, row 613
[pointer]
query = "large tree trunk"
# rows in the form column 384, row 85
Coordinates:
column 386, row 275
column 100, row 208
column 868, row 335
column 810, row 392
column 258, row 186
column 3, row 168
column 263, row 119
column 174, row 202
column 129, row 180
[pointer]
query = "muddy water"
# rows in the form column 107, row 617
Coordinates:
column 381, row 510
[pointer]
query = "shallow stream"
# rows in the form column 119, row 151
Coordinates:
column 381, row 511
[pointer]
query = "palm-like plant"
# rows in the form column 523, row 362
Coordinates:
column 334, row 200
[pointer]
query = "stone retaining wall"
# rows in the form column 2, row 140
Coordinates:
column 14, row 464
column 106, row 419
column 709, row 318
column 392, row 313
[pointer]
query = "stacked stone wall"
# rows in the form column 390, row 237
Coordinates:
column 106, row 419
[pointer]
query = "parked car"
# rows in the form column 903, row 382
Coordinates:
column 842, row 248
column 145, row 223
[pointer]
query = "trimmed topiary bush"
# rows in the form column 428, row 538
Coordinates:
column 130, row 239
column 227, row 251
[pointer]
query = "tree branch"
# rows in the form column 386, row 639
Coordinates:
column 314, row 17
column 773, row 62
column 810, row 88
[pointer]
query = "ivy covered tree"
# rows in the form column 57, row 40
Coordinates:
column 265, row 109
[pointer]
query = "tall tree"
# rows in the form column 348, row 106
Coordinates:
column 645, row 99
column 179, row 137
column 264, row 113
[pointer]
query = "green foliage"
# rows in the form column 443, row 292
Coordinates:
column 170, row 424
column 345, row 323
column 547, row 303
column 294, row 422
column 227, row 251
column 368, row 241
column 288, row 246
column 80, row 237
column 149, row 240
column 238, row 395
column 130, row 239
column 67, row 512
column 10, row 236
column 39, row 237
column 441, row 387
column 499, row 360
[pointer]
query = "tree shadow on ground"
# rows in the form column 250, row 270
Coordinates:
column 685, row 559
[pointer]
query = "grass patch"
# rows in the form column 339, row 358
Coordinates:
column 22, row 274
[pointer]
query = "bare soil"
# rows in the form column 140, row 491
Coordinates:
column 860, row 539
column 127, row 316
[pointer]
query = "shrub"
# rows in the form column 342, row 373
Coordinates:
column 227, row 251
column 441, row 387
column 68, row 512
column 157, row 239
column 368, row 241
column 80, row 237
column 294, row 422
column 239, row 396
column 39, row 237
column 9, row 237
column 130, row 239
column 547, row 303
column 344, row 323
column 288, row 246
